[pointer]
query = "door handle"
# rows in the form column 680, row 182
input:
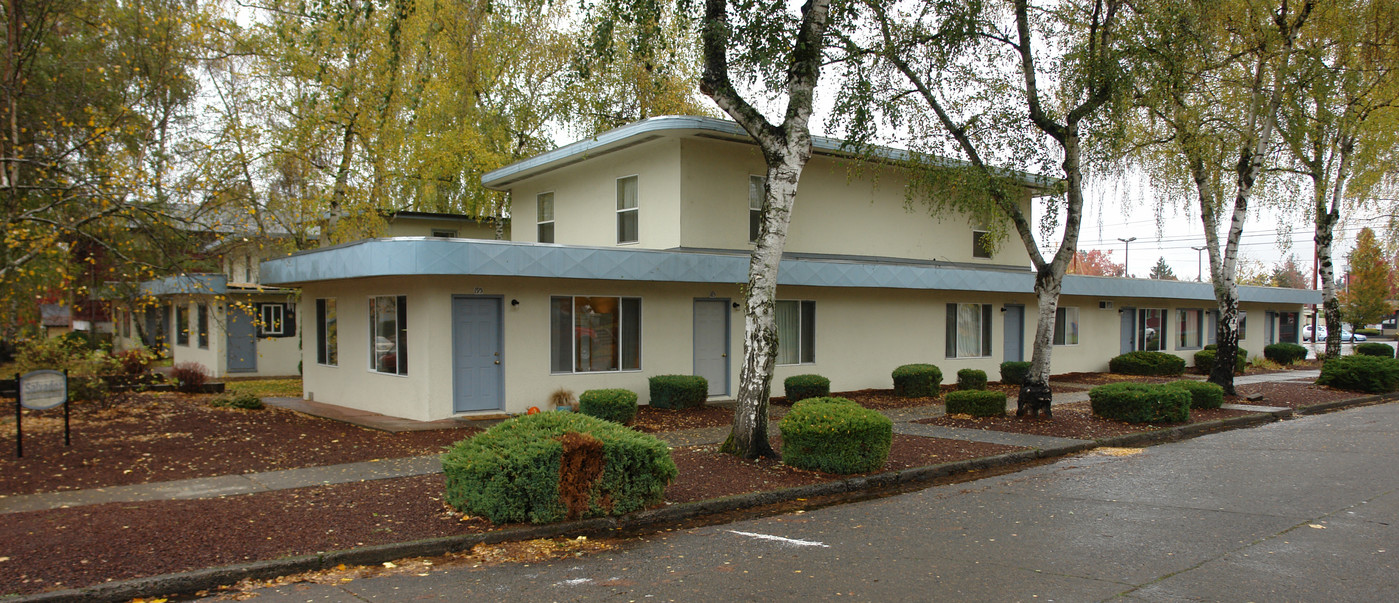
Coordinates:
column 497, row 362
column 723, row 355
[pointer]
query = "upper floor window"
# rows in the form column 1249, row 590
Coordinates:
column 968, row 330
column 796, row 331
column 981, row 244
column 444, row 233
column 1066, row 326
column 247, row 268
column 544, row 215
column 756, row 192
column 388, row 334
column 626, row 210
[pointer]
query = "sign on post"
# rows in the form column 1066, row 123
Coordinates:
column 40, row 390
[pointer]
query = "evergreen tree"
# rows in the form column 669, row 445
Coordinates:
column 1161, row 271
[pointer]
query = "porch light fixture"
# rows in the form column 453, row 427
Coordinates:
column 735, row 305
column 515, row 303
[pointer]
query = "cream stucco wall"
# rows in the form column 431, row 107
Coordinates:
column 423, row 227
column 276, row 356
column 585, row 198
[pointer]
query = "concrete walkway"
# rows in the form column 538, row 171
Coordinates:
column 249, row 483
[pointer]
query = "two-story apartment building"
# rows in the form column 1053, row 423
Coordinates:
column 627, row 258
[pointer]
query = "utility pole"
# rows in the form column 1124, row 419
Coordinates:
column 1199, row 267
column 1126, row 255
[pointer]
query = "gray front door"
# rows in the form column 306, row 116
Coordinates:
column 242, row 341
column 1129, row 329
column 1015, row 333
column 478, row 378
column 712, row 344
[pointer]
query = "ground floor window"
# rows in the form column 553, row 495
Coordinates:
column 202, row 321
column 594, row 334
column 182, row 324
column 1151, row 323
column 327, row 339
column 126, row 318
column 968, row 330
column 1190, row 330
column 1066, row 326
column 796, row 331
column 271, row 320
column 1243, row 325
column 388, row 334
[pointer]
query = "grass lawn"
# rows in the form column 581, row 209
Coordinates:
column 266, row 388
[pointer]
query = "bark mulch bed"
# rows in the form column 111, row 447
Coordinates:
column 164, row 437
column 69, row 548
column 1290, row 395
column 652, row 420
column 1073, row 420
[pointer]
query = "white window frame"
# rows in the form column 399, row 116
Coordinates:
column 755, row 211
column 573, row 340
column 272, row 326
column 803, row 307
column 635, row 210
column 978, row 250
column 540, row 222
column 1061, row 337
column 987, row 331
column 1182, row 315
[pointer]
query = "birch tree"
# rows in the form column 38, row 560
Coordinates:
column 1334, row 126
column 1214, row 75
column 978, row 72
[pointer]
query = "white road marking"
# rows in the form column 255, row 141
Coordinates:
column 786, row 541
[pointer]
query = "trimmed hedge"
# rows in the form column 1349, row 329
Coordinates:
column 1368, row 332
column 615, row 405
column 1204, row 361
column 970, row 379
column 1014, row 373
column 678, row 391
column 1140, row 402
column 1147, row 363
column 835, row 435
column 1383, row 350
column 243, row 401
column 1203, row 394
column 1284, row 353
column 556, row 465
column 1368, row 374
column 917, row 380
column 801, row 387
column 977, row 403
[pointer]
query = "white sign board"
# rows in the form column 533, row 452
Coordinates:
column 43, row 389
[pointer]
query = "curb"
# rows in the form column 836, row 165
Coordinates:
column 210, row 578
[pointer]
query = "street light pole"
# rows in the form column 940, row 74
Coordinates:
column 1199, row 268
column 1126, row 255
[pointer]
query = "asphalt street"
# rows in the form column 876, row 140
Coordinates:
column 1302, row 510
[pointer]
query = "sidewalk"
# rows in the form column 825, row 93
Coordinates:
column 248, row 483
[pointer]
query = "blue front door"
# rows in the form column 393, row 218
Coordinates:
column 478, row 381
column 242, row 341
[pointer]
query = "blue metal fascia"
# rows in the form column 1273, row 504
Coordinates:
column 186, row 284
column 428, row 256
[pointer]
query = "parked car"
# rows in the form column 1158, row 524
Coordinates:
column 1346, row 335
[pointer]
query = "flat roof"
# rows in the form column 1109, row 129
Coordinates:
column 654, row 128
column 429, row 256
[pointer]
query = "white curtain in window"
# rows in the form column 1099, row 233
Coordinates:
column 788, row 315
column 968, row 330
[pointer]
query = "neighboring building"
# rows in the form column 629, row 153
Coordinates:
column 634, row 267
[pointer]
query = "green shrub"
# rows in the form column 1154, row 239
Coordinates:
column 616, row 405
column 1203, row 394
column 1014, row 373
column 1140, row 402
column 1147, row 363
column 1284, row 353
column 1368, row 374
column 556, row 465
column 917, row 380
column 135, row 362
column 836, row 436
column 678, row 391
column 801, row 387
column 1204, row 361
column 245, row 401
column 968, row 379
column 976, row 402
column 1383, row 350
column 1367, row 331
